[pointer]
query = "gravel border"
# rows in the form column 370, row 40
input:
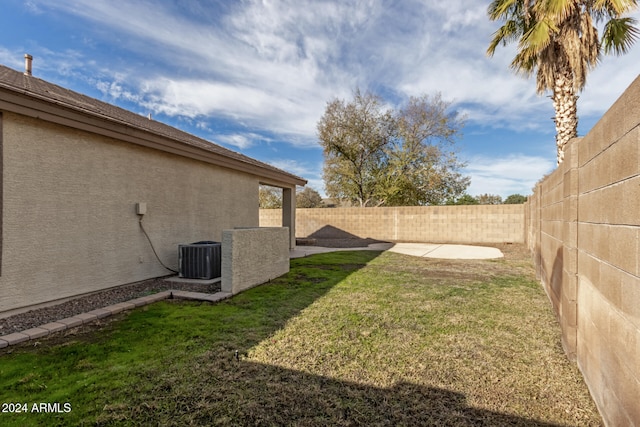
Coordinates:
column 34, row 318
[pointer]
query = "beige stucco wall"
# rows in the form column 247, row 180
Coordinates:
column 584, row 233
column 69, row 221
column 253, row 256
column 454, row 224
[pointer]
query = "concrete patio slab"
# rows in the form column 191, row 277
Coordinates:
column 427, row 250
column 447, row 251
column 414, row 249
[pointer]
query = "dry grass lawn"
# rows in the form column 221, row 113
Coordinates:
column 346, row 339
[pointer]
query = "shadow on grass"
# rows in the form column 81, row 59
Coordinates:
column 247, row 393
column 176, row 365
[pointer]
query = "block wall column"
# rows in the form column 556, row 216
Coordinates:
column 536, row 230
column 569, row 295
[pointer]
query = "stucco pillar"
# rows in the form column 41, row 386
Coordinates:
column 289, row 214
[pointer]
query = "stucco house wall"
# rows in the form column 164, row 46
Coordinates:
column 73, row 170
column 70, row 224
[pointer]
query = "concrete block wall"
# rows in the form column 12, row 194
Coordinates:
column 253, row 256
column 584, row 233
column 451, row 224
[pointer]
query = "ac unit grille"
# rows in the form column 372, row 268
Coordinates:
column 201, row 260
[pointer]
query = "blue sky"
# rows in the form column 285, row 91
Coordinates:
column 255, row 76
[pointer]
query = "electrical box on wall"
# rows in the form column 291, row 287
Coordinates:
column 141, row 208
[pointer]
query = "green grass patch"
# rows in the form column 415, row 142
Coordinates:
column 345, row 338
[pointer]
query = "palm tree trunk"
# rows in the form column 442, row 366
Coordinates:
column 565, row 105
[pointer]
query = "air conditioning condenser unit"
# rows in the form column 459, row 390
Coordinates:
column 200, row 260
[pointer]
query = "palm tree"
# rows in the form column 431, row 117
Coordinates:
column 559, row 41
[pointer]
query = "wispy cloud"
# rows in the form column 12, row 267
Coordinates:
column 116, row 90
column 310, row 171
column 270, row 66
column 10, row 58
column 514, row 174
column 273, row 65
column 32, row 7
column 241, row 141
column 291, row 165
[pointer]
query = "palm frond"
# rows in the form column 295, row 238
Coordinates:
column 499, row 9
column 538, row 36
column 558, row 10
column 616, row 8
column 524, row 63
column 509, row 32
column 619, row 34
